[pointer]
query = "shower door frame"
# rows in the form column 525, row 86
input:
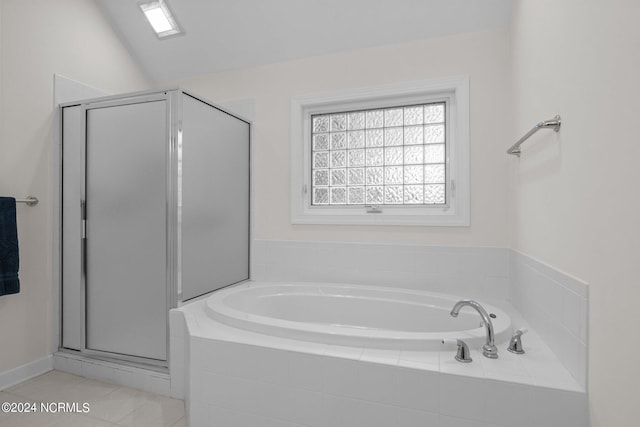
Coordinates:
column 173, row 152
column 174, row 99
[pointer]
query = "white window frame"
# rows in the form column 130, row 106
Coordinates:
column 456, row 212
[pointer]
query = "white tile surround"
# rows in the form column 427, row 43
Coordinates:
column 553, row 303
column 556, row 306
column 240, row 378
column 471, row 271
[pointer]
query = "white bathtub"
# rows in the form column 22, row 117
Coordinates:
column 293, row 354
column 353, row 315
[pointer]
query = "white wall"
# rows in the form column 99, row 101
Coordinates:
column 483, row 56
column 37, row 39
column 575, row 198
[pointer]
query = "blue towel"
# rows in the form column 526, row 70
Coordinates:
column 9, row 260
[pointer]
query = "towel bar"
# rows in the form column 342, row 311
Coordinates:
column 553, row 123
column 30, row 201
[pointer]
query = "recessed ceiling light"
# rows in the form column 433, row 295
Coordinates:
column 160, row 17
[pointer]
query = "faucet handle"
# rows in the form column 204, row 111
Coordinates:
column 515, row 345
column 462, row 354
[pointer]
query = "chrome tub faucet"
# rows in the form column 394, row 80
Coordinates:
column 489, row 349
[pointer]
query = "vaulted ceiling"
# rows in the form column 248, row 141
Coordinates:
column 229, row 34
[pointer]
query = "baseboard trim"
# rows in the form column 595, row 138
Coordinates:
column 25, row 372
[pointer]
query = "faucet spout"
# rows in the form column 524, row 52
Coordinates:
column 489, row 349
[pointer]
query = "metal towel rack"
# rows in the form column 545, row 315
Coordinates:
column 29, row 200
column 553, row 123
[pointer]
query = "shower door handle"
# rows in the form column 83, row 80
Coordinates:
column 83, row 218
column 83, row 236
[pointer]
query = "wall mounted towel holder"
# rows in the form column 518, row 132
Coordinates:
column 553, row 123
column 29, row 200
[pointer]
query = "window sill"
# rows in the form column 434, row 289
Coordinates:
column 414, row 216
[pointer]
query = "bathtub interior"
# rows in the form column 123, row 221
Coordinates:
column 349, row 306
column 411, row 320
column 345, row 314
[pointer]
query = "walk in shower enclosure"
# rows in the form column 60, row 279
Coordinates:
column 155, row 210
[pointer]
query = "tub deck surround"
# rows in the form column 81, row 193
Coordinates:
column 244, row 378
column 554, row 303
column 352, row 315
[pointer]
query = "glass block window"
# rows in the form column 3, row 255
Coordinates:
column 385, row 156
column 402, row 147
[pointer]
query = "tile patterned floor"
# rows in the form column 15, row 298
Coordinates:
column 109, row 405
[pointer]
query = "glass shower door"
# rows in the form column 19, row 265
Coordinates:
column 126, row 229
